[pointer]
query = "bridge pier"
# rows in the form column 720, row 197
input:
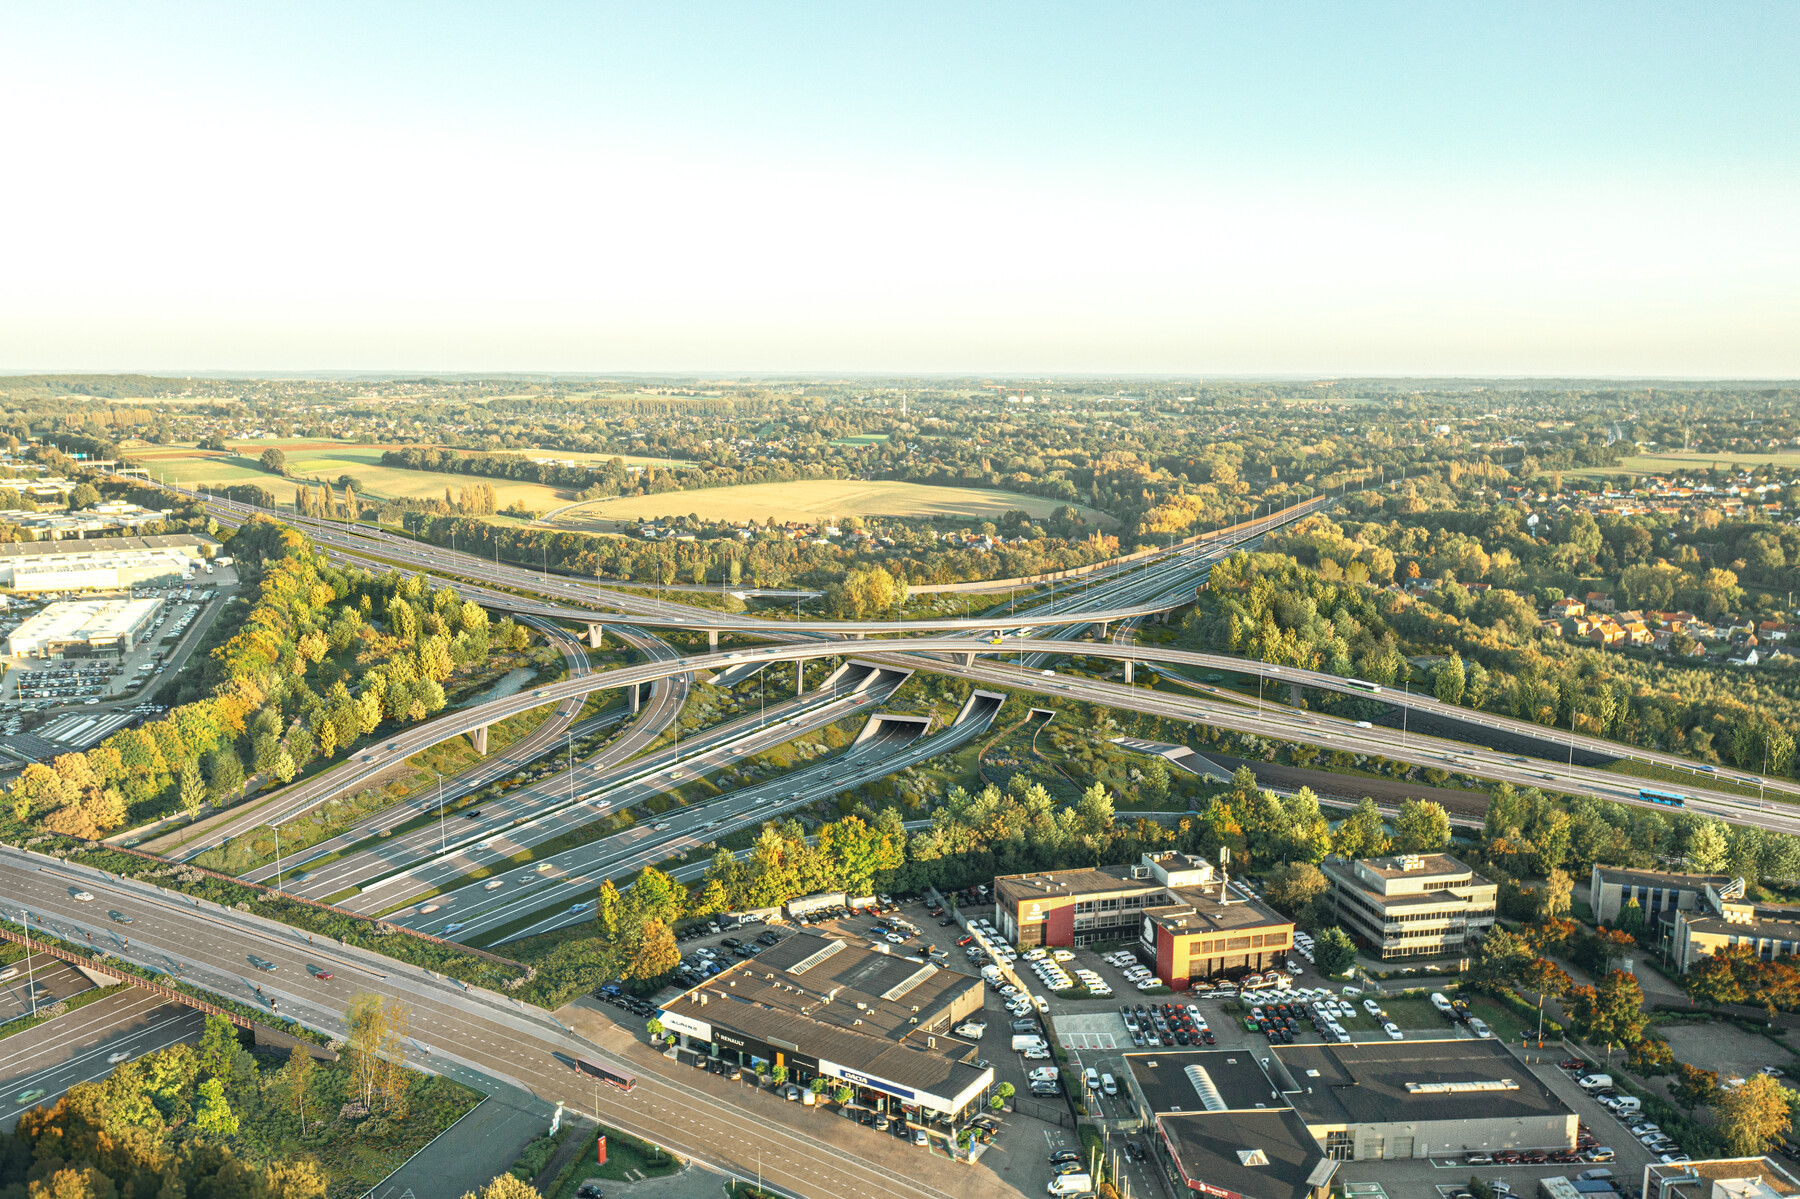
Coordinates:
column 799, row 678
column 968, row 658
column 635, row 693
column 596, row 635
column 1128, row 665
column 712, row 640
column 1100, row 627
column 479, row 737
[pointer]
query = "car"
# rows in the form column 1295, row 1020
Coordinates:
column 920, row 1137
column 1135, row 1151
column 262, row 964
column 1479, row 1159
column 1393, row 1031
column 588, row 1190
column 1370, row 1006
column 113, row 1059
column 1363, row 724
column 323, row 975
column 454, row 926
column 31, row 1096
column 472, row 814
column 1036, row 1055
column 83, row 896
column 663, row 827
column 493, row 884
column 880, row 1122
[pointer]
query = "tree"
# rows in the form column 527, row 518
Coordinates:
column 300, row 1069
column 298, row 1178
column 1421, row 827
column 1450, row 681
column 1631, row 919
column 377, row 1049
column 505, row 1187
column 1556, row 895
column 1694, row 1087
column 1610, row 1013
column 1501, row 959
column 1334, row 952
column 1752, row 1115
column 193, row 788
column 85, row 495
column 214, row 1115
column 1362, row 834
column 1719, row 976
column 274, row 461
column 656, row 953
column 1292, row 887
column 218, row 1045
column 1707, row 846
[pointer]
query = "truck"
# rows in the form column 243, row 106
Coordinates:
column 1023, row 1041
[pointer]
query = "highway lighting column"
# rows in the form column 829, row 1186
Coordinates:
column 277, row 857
column 442, row 842
column 30, row 959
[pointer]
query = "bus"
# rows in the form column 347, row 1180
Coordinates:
column 1667, row 798
column 606, row 1074
column 1360, row 685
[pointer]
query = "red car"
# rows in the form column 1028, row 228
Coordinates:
column 322, row 974
column 965, row 940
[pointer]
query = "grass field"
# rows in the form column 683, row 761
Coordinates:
column 820, row 499
column 326, row 461
column 1679, row 463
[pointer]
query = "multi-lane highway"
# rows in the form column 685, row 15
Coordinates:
column 85, row 1045
column 478, row 1037
column 558, row 804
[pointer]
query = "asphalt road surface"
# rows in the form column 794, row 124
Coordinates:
column 85, row 1045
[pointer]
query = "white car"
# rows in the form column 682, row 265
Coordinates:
column 84, row 896
column 494, row 884
column 1393, row 1031
column 1370, row 1006
column 1036, row 1055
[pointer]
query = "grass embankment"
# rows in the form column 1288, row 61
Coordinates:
column 257, row 847
column 627, row 1159
column 1678, row 779
column 73, row 1003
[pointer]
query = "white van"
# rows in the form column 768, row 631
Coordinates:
column 1626, row 1105
column 1592, row 1082
column 1442, row 1004
column 1070, row 1184
column 1108, row 1086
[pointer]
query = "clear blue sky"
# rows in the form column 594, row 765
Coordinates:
column 1303, row 189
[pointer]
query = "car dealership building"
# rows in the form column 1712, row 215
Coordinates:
column 844, row 1011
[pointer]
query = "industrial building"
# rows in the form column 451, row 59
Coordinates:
column 100, row 564
column 1272, row 1123
column 57, row 525
column 844, row 1011
column 85, row 629
column 1411, row 905
column 1180, row 911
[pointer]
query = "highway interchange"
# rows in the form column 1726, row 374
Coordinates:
column 489, row 1040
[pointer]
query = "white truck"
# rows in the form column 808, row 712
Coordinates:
column 1023, row 1041
column 1070, row 1184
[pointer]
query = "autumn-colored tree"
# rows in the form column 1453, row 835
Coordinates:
column 1693, row 1087
column 1752, row 1115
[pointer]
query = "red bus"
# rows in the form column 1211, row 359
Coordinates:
column 606, row 1074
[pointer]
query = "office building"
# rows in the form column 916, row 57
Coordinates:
column 1660, row 894
column 1411, row 905
column 1179, row 913
column 844, row 1011
column 1725, row 918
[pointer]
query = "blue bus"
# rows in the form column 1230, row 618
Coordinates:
column 1667, row 798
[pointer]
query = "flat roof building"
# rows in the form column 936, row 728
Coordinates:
column 842, row 1010
column 1273, row 1122
column 1725, row 918
column 1656, row 891
column 1181, row 912
column 1411, row 905
column 1721, row 1178
column 100, row 563
column 84, row 629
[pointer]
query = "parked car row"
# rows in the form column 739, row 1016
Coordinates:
column 614, row 994
column 1165, row 1024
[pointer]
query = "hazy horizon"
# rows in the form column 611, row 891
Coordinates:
column 1390, row 191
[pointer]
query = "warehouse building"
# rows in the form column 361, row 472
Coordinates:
column 1721, row 1178
column 1181, row 914
column 846, row 1012
column 1272, row 1123
column 1411, row 905
column 85, row 629
column 100, row 563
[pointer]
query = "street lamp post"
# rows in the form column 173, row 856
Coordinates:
column 278, row 857
column 442, row 842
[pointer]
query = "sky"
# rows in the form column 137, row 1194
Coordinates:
column 1198, row 189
